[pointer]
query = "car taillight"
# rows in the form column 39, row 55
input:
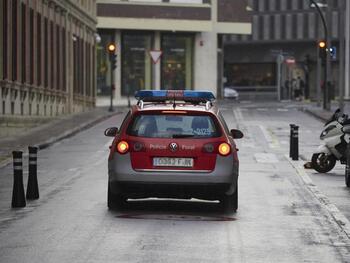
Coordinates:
column 224, row 149
column 122, row 147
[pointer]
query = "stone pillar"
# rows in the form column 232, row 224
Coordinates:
column 117, row 71
column 157, row 67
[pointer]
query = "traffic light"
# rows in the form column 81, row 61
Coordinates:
column 333, row 52
column 322, row 50
column 112, row 48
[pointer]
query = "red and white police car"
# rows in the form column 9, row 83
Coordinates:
column 173, row 144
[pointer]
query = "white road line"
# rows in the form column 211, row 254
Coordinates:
column 281, row 109
column 338, row 217
column 269, row 137
column 266, row 158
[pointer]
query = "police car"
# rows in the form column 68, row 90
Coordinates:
column 173, row 144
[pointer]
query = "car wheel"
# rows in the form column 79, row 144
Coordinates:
column 230, row 202
column 322, row 162
column 115, row 201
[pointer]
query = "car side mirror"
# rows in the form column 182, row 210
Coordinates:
column 236, row 134
column 111, row 132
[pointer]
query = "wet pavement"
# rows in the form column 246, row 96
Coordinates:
column 280, row 218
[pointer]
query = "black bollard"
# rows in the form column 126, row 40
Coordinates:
column 18, row 198
column 290, row 140
column 347, row 167
column 295, row 143
column 32, row 187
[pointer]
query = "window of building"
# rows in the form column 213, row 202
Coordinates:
column 14, row 40
column 103, row 64
column 136, row 62
column 46, row 56
column 251, row 74
column 31, row 46
column 52, row 57
column 64, row 66
column 4, row 44
column 176, row 68
column 38, row 49
column 23, row 42
column 58, row 57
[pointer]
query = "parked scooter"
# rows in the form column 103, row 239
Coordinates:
column 334, row 137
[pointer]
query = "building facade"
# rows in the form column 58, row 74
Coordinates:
column 185, row 34
column 47, row 65
column 286, row 32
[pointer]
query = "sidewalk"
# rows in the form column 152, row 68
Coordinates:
column 44, row 135
column 324, row 115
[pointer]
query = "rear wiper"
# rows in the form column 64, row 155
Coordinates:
column 183, row 135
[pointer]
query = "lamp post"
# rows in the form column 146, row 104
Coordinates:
column 326, row 97
column 112, row 48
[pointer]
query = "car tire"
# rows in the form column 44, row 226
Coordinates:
column 115, row 201
column 322, row 162
column 230, row 202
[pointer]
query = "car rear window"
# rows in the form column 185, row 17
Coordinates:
column 174, row 126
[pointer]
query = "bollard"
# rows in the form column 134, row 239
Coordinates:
column 18, row 198
column 347, row 167
column 295, row 143
column 290, row 140
column 32, row 186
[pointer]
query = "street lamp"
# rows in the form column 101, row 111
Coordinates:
column 112, row 48
column 326, row 104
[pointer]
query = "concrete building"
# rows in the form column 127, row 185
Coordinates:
column 186, row 33
column 47, row 58
column 286, row 30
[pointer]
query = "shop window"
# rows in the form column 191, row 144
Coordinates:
column 177, row 61
column 103, row 64
column 136, row 62
column 249, row 74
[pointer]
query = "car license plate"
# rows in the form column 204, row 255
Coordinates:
column 173, row 162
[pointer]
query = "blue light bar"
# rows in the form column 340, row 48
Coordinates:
column 183, row 95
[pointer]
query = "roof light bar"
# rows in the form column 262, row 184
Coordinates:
column 184, row 95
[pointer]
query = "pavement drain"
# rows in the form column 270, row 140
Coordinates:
column 176, row 217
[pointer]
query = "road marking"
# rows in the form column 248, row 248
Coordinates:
column 269, row 137
column 247, row 141
column 281, row 109
column 261, row 109
column 338, row 217
column 266, row 158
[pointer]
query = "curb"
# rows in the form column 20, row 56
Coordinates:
column 314, row 114
column 342, row 222
column 65, row 135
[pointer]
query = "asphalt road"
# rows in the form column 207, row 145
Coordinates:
column 279, row 218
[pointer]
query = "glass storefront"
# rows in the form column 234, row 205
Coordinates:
column 103, row 64
column 176, row 68
column 249, row 74
column 136, row 62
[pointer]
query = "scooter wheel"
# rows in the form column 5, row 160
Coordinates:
column 322, row 162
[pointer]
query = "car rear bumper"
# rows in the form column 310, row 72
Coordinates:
column 120, row 170
column 171, row 183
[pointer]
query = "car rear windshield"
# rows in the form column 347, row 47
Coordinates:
column 174, row 126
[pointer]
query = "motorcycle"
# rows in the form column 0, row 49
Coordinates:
column 335, row 138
